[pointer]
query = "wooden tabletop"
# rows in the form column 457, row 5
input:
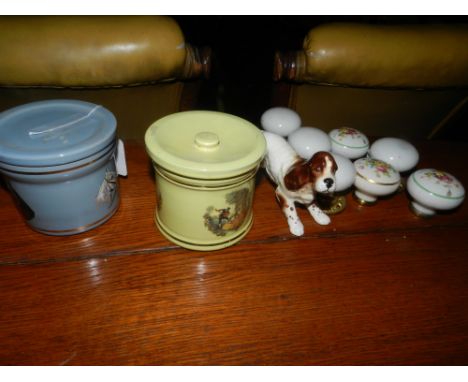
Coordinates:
column 376, row 286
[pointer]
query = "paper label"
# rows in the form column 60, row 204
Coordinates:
column 120, row 162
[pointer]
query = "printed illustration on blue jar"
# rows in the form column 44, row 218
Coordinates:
column 108, row 190
column 58, row 160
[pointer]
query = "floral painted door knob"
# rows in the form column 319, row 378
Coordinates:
column 434, row 190
column 349, row 142
column 374, row 178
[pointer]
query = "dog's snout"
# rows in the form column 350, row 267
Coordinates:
column 328, row 182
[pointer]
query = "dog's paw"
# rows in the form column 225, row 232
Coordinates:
column 296, row 228
column 322, row 218
column 319, row 216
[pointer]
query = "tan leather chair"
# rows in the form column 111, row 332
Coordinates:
column 385, row 80
column 139, row 67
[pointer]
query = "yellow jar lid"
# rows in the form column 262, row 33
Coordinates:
column 205, row 144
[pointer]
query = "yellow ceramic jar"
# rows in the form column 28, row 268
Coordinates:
column 205, row 164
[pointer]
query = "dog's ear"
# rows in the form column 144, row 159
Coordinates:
column 297, row 176
column 318, row 163
column 334, row 168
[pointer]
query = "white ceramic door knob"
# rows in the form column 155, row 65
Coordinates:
column 280, row 120
column 401, row 154
column 345, row 174
column 306, row 141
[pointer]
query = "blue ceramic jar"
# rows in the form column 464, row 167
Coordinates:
column 58, row 161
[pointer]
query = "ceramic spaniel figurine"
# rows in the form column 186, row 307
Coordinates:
column 298, row 179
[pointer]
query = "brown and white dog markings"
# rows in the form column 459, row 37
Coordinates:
column 298, row 180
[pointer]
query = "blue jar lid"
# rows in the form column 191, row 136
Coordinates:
column 57, row 132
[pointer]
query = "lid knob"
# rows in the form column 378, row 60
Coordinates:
column 206, row 140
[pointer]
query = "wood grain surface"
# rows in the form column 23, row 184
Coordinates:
column 376, row 286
